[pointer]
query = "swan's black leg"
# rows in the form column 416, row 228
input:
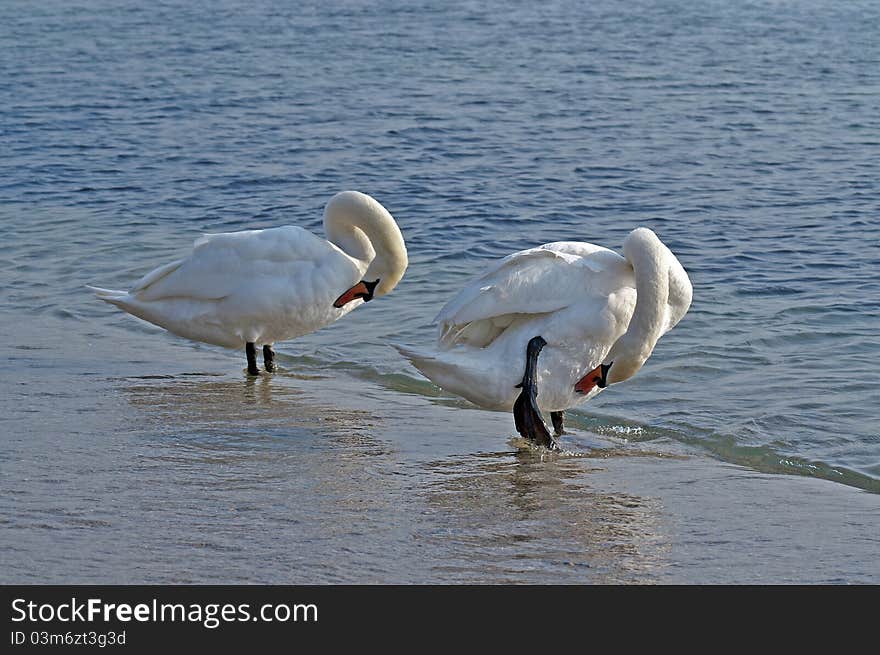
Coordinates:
column 558, row 419
column 526, row 415
column 251, row 353
column 269, row 359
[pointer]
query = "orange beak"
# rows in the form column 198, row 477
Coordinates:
column 595, row 378
column 359, row 290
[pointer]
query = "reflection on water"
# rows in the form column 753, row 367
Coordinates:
column 518, row 518
column 269, row 451
column 252, row 403
column 239, row 423
column 224, row 479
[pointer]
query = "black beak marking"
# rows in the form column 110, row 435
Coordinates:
column 604, row 381
column 370, row 288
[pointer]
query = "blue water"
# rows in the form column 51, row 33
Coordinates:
column 746, row 134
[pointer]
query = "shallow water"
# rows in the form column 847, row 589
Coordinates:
column 744, row 134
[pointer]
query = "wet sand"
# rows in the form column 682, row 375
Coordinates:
column 169, row 465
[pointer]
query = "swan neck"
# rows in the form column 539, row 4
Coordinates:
column 365, row 231
column 649, row 259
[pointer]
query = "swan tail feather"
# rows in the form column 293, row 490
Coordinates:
column 462, row 374
column 112, row 296
column 431, row 367
column 163, row 271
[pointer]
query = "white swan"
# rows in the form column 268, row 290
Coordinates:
column 596, row 315
column 258, row 287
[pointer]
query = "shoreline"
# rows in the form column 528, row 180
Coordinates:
column 209, row 477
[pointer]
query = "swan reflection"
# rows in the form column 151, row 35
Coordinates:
column 515, row 518
column 253, row 413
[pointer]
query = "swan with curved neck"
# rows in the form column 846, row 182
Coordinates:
column 550, row 327
column 258, row 287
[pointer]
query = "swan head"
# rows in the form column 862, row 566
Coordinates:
column 388, row 267
column 597, row 378
column 363, row 290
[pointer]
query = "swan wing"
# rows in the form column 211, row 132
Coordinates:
column 533, row 281
column 227, row 264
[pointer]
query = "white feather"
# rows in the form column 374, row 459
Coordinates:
column 264, row 286
column 579, row 297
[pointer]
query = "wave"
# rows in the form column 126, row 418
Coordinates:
column 725, row 447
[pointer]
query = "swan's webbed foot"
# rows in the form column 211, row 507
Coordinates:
column 558, row 419
column 269, row 359
column 251, row 353
column 529, row 422
column 526, row 415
